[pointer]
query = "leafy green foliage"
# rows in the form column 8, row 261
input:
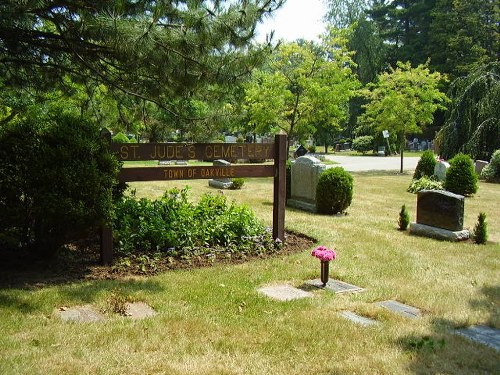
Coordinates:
column 56, row 179
column 303, row 87
column 480, row 233
column 334, row 191
column 363, row 144
column 237, row 183
column 424, row 183
column 491, row 172
column 425, row 166
column 472, row 125
column 174, row 227
column 404, row 218
column 461, row 178
column 120, row 138
column 403, row 101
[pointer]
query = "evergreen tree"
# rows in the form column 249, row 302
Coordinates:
column 472, row 125
column 154, row 50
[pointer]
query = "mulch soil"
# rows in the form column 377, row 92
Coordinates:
column 79, row 260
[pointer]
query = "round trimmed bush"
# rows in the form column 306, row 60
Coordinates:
column 461, row 178
column 363, row 144
column 425, row 166
column 334, row 191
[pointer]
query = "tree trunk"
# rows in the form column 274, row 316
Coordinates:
column 402, row 147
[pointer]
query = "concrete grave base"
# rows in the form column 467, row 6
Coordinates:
column 302, row 205
column 220, row 184
column 438, row 233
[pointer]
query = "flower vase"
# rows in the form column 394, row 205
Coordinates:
column 324, row 272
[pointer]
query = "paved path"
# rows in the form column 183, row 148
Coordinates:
column 374, row 163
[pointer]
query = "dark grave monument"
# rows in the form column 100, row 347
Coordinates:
column 440, row 215
column 300, row 151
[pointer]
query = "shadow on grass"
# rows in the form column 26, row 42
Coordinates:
column 444, row 352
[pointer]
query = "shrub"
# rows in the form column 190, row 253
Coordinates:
column 120, row 138
column 237, row 183
column 334, row 191
column 461, row 177
column 425, row 166
column 311, row 149
column 59, row 185
column 424, row 183
column 404, row 218
column 480, row 233
column 363, row 144
column 491, row 172
column 176, row 227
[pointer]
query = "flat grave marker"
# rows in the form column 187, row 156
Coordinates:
column 400, row 308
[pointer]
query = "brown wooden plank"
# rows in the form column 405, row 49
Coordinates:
column 194, row 172
column 192, row 151
column 279, row 198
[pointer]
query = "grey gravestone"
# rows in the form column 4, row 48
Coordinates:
column 479, row 165
column 441, row 209
column 482, row 334
column 82, row 314
column 139, row 310
column 164, row 162
column 336, row 286
column 284, row 292
column 221, row 183
column 401, row 309
column 440, row 170
column 358, row 319
column 181, row 162
column 304, row 179
column 300, row 151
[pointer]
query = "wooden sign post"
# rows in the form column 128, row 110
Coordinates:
column 204, row 151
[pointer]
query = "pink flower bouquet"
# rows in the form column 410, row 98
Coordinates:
column 324, row 254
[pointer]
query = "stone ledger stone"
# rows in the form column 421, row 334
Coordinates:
column 440, row 209
column 305, row 175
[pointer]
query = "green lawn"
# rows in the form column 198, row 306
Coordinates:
column 213, row 321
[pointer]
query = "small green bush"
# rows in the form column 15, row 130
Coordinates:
column 237, row 183
column 176, row 227
column 425, row 166
column 120, row 137
column 311, row 149
column 404, row 218
column 334, row 191
column 425, row 183
column 363, row 144
column 461, row 177
column 491, row 172
column 480, row 233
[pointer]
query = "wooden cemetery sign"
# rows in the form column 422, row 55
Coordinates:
column 203, row 151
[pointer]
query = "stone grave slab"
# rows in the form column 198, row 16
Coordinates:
column 483, row 334
column 439, row 233
column 81, row 314
column 400, row 308
column 284, row 292
column 358, row 319
column 139, row 310
column 336, row 286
